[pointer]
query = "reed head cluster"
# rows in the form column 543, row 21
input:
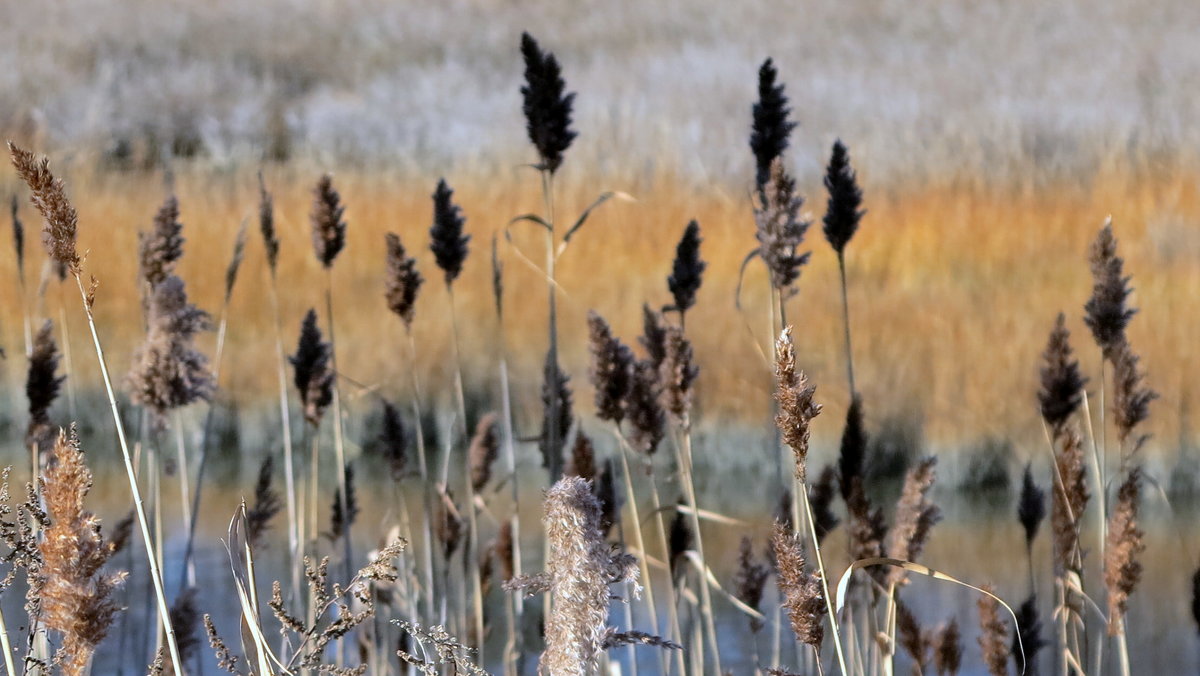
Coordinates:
column 915, row 517
column 796, row 405
column 770, row 127
column 168, row 370
column 1061, row 391
column 266, row 504
column 18, row 234
column 780, row 229
column 393, row 442
column 820, row 497
column 76, row 594
column 1031, row 506
column 993, row 637
column 546, row 105
column 402, row 281
column 687, row 272
column 1123, row 545
column 1069, row 499
column 50, row 199
column 677, row 375
column 41, row 388
column 1027, row 640
column 582, row 462
column 1105, row 312
column 448, row 243
column 803, row 597
column 312, row 372
column 1131, row 397
column 750, row 580
column 644, row 409
column 947, row 649
column 160, row 249
column 266, row 226
column 843, row 211
column 853, row 450
column 328, row 226
column 610, row 370
column 484, row 449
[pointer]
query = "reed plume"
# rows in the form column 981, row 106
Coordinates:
column 947, row 649
column 644, row 409
column 556, row 423
column 402, row 281
column 547, row 109
column 780, row 229
column 796, row 405
column 843, row 210
column 1069, row 499
column 49, row 197
column 583, row 458
column 235, row 262
column 680, row 540
column 313, row 375
column 1027, row 640
column 345, row 510
column 770, row 127
column 1105, row 312
column 266, row 226
column 853, row 449
column 328, row 227
column 1061, row 390
column 687, row 272
column 677, row 374
column 803, row 597
column 750, row 580
column 915, row 517
column 1196, row 598
column 393, row 442
column 76, row 596
column 1131, row 397
column 915, row 641
column 168, row 371
column 605, row 490
column 502, row 549
column 484, row 449
column 610, row 369
column 185, row 617
column 865, row 527
column 41, row 388
column 820, row 497
column 993, row 638
column 654, row 336
column 266, row 506
column 18, row 234
column 448, row 523
column 1123, row 544
column 160, row 249
column 1031, row 506
column 449, row 244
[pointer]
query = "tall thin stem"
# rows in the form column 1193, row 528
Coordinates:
column 638, row 541
column 553, row 414
column 683, row 449
column 285, row 418
column 164, row 610
column 423, row 467
column 188, row 570
column 846, row 323
column 338, row 442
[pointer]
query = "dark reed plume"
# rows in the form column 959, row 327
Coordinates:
column 76, row 596
column 393, row 443
column 1131, row 398
column 168, row 371
column 502, row 549
column 41, row 388
column 583, row 458
column 401, row 280
column 547, row 109
column 865, row 528
column 750, row 580
column 784, row 508
column 796, row 405
column 18, row 233
column 50, row 199
column 1068, row 500
column 1105, row 312
column 947, row 650
column 1123, row 544
column 345, row 511
column 1031, row 506
column 677, row 374
column 497, row 279
column 1061, row 392
column 313, row 375
column 993, row 638
column 605, row 490
column 121, row 532
column 645, row 412
column 853, row 450
column 802, row 595
column 266, row 505
column 160, row 249
column 770, row 128
column 680, row 539
column 556, row 397
column 915, row 517
column 266, row 226
column 915, row 641
column 610, row 369
column 328, row 228
column 820, row 497
column 235, row 261
column 185, row 617
column 484, row 449
column 447, row 523
column 780, row 229
column 687, row 272
column 448, row 243
column 654, row 336
column 1196, row 598
column 843, row 211
column 1028, row 636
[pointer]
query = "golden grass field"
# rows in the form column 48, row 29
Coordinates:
column 954, row 286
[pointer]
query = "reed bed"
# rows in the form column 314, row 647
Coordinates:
column 742, row 317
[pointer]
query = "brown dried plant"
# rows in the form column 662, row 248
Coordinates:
column 781, row 229
column 1069, row 499
column 678, row 373
column 915, row 517
column 328, row 227
column 750, row 580
column 41, row 388
column 796, row 405
column 485, row 448
column 803, row 597
column 50, row 199
column 76, row 595
column 993, row 638
column 1123, row 544
column 402, row 281
column 947, row 650
column 160, row 249
column 610, row 369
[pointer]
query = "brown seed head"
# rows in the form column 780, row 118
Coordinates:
column 41, row 388
column 993, row 639
column 610, row 370
column 266, row 225
column 485, row 447
column 50, row 199
column 1106, row 312
column 402, row 281
column 160, row 249
column 328, row 228
column 168, row 370
column 750, row 580
column 947, row 651
column 796, row 405
column 915, row 517
column 1131, row 397
column 1068, row 500
column 781, row 230
column 802, row 594
column 1123, row 545
column 678, row 373
column 1062, row 385
column 643, row 407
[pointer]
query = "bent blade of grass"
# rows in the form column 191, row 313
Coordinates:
column 579, row 222
column 243, row 578
column 706, row 572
